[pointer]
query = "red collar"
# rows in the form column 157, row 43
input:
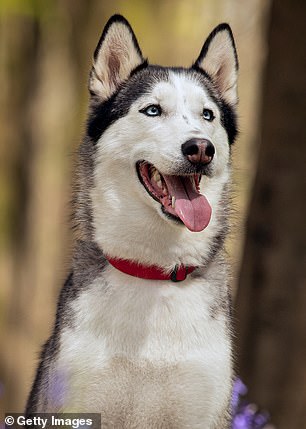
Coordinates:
column 150, row 272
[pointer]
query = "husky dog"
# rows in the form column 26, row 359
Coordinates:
column 143, row 333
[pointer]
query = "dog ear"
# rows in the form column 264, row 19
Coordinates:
column 218, row 58
column 116, row 55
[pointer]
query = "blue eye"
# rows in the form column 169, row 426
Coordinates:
column 152, row 110
column 208, row 115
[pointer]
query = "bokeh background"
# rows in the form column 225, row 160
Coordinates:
column 45, row 56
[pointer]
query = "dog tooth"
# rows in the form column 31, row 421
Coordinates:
column 159, row 184
column 173, row 202
column 156, row 176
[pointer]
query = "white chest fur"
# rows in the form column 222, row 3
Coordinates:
column 142, row 352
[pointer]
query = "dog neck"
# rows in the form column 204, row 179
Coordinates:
column 150, row 272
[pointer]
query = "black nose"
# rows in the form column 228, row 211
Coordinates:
column 198, row 151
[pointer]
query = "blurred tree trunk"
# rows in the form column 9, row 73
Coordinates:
column 42, row 94
column 271, row 301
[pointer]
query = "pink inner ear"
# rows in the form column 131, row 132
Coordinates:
column 113, row 67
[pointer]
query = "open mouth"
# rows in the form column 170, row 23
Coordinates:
column 179, row 196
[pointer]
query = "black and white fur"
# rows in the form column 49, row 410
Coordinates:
column 145, row 353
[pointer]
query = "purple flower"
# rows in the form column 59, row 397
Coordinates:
column 239, row 389
column 245, row 415
column 58, row 389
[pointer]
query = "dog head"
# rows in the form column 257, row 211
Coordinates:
column 155, row 161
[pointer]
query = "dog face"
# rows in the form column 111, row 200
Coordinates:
column 161, row 139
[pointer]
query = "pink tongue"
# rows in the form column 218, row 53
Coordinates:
column 191, row 207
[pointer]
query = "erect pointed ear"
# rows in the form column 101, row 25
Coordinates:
column 218, row 58
column 116, row 55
